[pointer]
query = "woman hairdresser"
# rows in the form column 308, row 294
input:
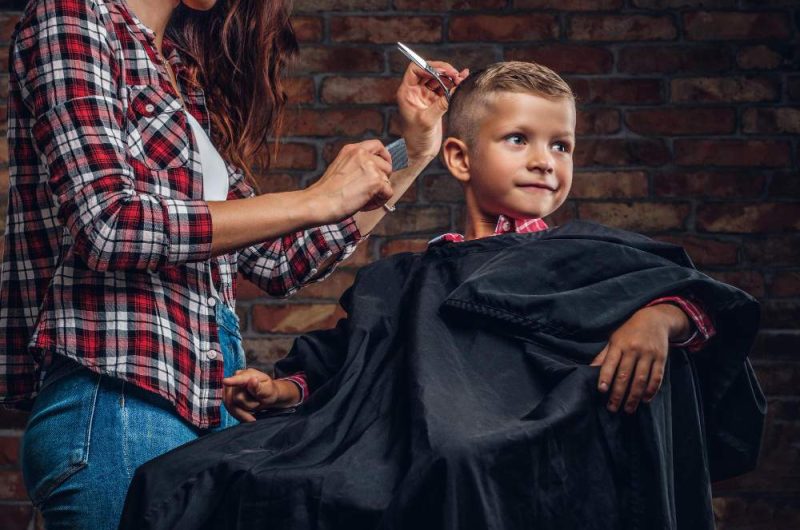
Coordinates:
column 133, row 125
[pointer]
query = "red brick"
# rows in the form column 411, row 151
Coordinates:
column 785, row 185
column 397, row 246
column 566, row 58
column 472, row 57
column 308, row 29
column 295, row 318
column 749, row 217
column 386, row 30
column 570, row 5
column 793, row 88
column 733, row 89
column 277, row 182
column 666, row 4
column 781, row 313
column 7, row 24
column 13, row 419
column 320, row 59
column 296, row 156
column 503, row 28
column 785, row 283
column 247, row 290
column 708, row 25
column 333, row 122
column 299, row 90
column 778, row 378
column 620, row 152
column 759, row 57
column 4, row 180
column 11, row 486
column 772, row 121
column 360, row 90
column 568, row 212
column 672, row 59
column 687, row 120
column 262, row 352
column 448, row 5
column 415, row 219
column 751, row 282
column 609, row 185
column 706, row 252
column 332, row 149
column 442, row 188
column 621, row 27
column 597, row 121
column 616, row 91
column 732, row 153
column 9, row 449
column 641, row 216
column 776, row 345
column 717, row 184
column 774, row 251
column 753, row 513
column 332, row 287
column 316, row 6
column 16, row 516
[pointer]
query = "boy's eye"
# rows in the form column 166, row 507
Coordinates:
column 516, row 139
column 561, row 146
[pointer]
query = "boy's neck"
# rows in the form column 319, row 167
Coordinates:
column 478, row 224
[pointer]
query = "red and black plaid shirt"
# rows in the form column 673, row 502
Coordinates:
column 108, row 240
column 703, row 326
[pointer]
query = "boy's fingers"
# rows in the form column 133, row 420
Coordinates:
column 640, row 378
column 600, row 357
column 610, row 362
column 242, row 415
column 621, row 380
column 656, row 377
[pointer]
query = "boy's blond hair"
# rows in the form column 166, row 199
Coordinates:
column 470, row 99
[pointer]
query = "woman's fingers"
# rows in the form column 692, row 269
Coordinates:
column 656, row 378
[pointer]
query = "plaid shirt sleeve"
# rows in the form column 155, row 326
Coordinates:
column 70, row 80
column 703, row 326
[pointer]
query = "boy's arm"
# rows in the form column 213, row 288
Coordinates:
column 703, row 325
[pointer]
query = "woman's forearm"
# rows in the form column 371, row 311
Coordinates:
column 401, row 181
column 244, row 222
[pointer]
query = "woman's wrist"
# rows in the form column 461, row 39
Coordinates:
column 288, row 393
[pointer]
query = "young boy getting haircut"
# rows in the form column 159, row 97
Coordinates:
column 461, row 391
column 510, row 143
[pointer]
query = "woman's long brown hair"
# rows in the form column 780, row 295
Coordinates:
column 236, row 52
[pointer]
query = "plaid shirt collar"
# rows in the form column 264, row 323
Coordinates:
column 505, row 225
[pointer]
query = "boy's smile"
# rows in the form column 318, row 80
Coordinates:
column 520, row 163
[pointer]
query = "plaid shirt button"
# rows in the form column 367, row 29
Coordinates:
column 212, row 301
column 211, row 354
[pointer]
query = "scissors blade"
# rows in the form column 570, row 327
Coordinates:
column 408, row 52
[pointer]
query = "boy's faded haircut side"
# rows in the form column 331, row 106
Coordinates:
column 469, row 100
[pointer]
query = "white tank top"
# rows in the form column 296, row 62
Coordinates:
column 215, row 174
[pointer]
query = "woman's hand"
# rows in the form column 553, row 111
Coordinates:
column 248, row 391
column 357, row 180
column 635, row 357
column 422, row 104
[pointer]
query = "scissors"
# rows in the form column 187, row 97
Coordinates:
column 422, row 63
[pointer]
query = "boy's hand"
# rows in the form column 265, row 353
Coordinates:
column 248, row 391
column 635, row 357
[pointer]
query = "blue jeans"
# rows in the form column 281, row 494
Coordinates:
column 88, row 433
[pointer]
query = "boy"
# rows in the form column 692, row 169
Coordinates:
column 511, row 138
column 461, row 391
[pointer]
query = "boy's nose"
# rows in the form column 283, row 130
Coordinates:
column 540, row 160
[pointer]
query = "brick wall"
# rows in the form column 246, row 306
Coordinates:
column 688, row 123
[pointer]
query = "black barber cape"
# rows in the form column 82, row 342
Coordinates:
column 457, row 395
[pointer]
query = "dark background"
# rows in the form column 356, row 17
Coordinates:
column 688, row 131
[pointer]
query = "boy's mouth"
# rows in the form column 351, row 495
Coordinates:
column 536, row 186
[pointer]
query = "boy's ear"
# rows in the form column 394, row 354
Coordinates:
column 456, row 158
